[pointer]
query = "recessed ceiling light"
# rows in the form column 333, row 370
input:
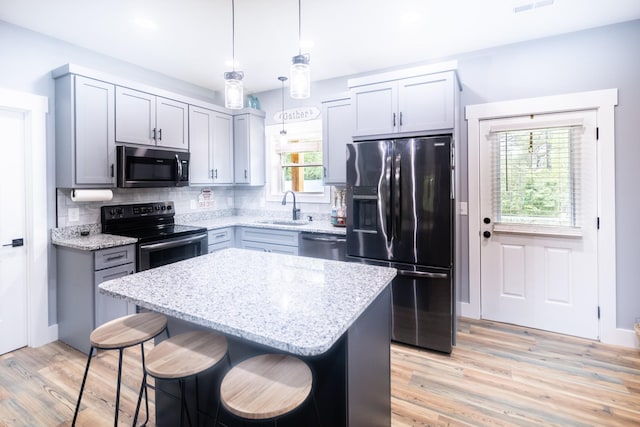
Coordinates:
column 145, row 23
column 533, row 5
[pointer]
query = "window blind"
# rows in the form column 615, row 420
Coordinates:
column 536, row 176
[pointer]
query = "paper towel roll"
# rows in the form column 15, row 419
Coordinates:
column 91, row 195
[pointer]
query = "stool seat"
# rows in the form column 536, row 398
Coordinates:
column 266, row 386
column 128, row 330
column 186, row 354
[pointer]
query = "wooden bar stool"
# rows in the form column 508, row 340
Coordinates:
column 181, row 357
column 267, row 387
column 119, row 334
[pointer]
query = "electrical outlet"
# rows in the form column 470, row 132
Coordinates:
column 73, row 214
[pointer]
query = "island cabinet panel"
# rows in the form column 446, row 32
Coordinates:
column 249, row 148
column 407, row 106
column 211, row 147
column 146, row 119
column 221, row 238
column 85, row 133
column 352, row 380
column 260, row 239
column 81, row 307
column 337, row 128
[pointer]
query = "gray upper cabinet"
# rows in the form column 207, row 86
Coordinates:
column 146, row 119
column 337, row 128
column 211, row 146
column 408, row 105
column 249, row 148
column 85, row 141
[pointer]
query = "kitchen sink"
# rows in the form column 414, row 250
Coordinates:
column 284, row 221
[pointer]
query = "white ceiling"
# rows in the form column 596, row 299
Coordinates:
column 191, row 39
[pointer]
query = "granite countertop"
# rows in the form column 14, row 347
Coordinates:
column 71, row 237
column 295, row 304
column 316, row 226
column 93, row 242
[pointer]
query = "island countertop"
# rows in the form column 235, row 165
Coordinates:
column 295, row 304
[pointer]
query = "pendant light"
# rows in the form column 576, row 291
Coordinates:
column 300, row 87
column 282, row 80
column 233, row 89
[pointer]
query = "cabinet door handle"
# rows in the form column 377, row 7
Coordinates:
column 400, row 118
column 245, row 174
column 111, row 170
column 154, row 134
column 215, row 173
column 160, row 133
column 394, row 119
column 324, row 172
column 114, row 258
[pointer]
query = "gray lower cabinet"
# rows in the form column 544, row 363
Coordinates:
column 85, row 133
column 81, row 307
column 260, row 239
column 221, row 238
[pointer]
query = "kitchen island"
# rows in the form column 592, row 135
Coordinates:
column 334, row 315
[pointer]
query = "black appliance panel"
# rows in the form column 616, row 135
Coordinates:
column 146, row 167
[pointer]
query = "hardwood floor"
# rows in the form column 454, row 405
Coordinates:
column 498, row 375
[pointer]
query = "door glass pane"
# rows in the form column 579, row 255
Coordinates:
column 535, row 175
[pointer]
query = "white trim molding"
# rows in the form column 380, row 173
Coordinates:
column 35, row 108
column 604, row 102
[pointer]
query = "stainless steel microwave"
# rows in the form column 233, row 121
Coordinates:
column 148, row 167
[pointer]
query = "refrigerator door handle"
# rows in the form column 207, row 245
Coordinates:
column 422, row 274
column 397, row 190
column 387, row 197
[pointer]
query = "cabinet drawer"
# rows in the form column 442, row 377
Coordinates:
column 269, row 247
column 112, row 257
column 220, row 235
column 278, row 237
column 220, row 245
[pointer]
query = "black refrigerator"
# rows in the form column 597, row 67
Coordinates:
column 400, row 206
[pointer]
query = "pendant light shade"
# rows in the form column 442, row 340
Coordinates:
column 282, row 80
column 233, row 87
column 300, row 86
column 233, row 90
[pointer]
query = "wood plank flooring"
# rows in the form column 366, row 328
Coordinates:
column 498, row 375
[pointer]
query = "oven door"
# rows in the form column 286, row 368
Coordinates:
column 155, row 254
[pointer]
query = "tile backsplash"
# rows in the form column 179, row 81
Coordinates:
column 187, row 200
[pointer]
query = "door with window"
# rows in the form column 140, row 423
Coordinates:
column 538, row 208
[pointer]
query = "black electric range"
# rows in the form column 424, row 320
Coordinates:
column 160, row 240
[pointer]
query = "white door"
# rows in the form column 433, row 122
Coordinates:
column 13, row 289
column 538, row 221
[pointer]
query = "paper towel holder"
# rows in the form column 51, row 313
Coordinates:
column 91, row 195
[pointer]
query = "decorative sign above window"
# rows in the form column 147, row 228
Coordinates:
column 299, row 114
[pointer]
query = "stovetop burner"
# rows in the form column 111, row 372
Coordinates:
column 145, row 221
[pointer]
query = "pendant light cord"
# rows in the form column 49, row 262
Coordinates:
column 233, row 34
column 299, row 28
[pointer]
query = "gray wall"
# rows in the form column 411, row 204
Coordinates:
column 602, row 58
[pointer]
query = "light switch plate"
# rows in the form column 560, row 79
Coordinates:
column 463, row 208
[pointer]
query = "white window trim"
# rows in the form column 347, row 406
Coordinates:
column 604, row 102
column 323, row 197
column 35, row 109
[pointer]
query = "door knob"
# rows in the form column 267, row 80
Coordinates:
column 486, row 234
column 487, row 220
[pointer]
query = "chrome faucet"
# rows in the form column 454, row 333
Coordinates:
column 296, row 212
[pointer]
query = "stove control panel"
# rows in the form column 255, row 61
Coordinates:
column 138, row 210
